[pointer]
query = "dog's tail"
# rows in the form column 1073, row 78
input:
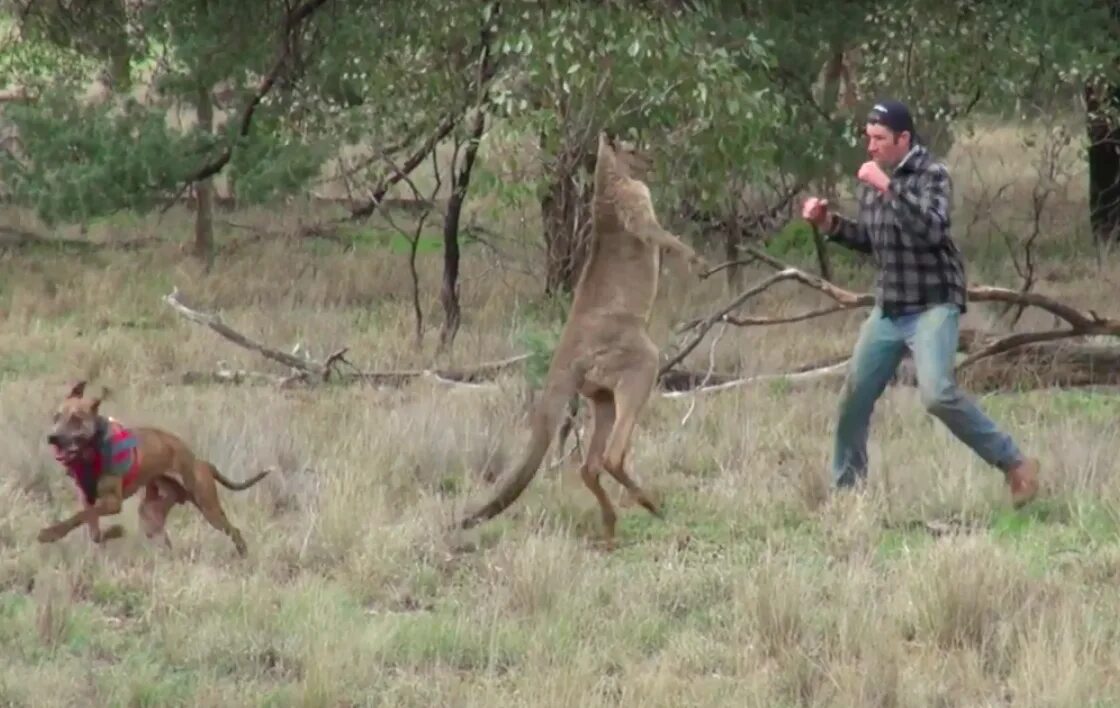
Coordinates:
column 237, row 486
column 559, row 389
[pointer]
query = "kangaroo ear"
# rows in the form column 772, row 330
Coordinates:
column 78, row 389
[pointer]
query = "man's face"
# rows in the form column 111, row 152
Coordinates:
column 884, row 146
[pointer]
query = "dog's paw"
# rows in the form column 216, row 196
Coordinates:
column 114, row 531
column 51, row 534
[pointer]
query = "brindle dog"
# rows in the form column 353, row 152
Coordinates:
column 110, row 463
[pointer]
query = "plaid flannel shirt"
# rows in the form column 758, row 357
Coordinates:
column 906, row 230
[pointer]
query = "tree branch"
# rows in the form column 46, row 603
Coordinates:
column 1081, row 324
column 847, row 300
column 291, row 23
column 215, row 323
column 309, row 370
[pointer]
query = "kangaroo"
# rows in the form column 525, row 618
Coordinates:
column 605, row 353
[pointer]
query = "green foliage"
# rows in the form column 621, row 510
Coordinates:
column 269, row 163
column 539, row 343
column 544, row 323
column 661, row 79
column 90, row 161
column 794, row 243
column 39, row 65
column 721, row 94
column 383, row 72
column 81, row 161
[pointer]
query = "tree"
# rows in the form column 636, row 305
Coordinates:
column 84, row 160
column 1102, row 102
column 650, row 72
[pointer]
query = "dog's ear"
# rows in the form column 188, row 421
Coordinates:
column 96, row 404
column 78, row 390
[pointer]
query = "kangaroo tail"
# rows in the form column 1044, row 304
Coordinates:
column 237, row 486
column 546, row 418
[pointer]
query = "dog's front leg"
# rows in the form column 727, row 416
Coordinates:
column 109, row 497
column 98, row 536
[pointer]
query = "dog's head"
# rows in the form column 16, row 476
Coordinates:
column 75, row 424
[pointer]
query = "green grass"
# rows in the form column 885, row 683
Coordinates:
column 758, row 590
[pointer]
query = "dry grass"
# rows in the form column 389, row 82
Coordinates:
column 352, row 597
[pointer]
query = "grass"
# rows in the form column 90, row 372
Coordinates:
column 776, row 596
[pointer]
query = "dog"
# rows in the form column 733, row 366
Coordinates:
column 110, row 462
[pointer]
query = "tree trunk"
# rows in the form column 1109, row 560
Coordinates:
column 732, row 237
column 204, row 188
column 449, row 294
column 566, row 220
column 835, row 72
column 1103, row 105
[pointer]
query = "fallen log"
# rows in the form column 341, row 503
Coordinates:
column 306, row 370
column 1080, row 355
column 17, row 238
column 1040, row 364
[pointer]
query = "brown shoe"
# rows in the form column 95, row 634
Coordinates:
column 1023, row 480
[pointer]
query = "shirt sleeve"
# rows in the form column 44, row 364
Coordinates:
column 850, row 233
column 922, row 206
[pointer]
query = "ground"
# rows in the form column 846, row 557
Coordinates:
column 351, row 595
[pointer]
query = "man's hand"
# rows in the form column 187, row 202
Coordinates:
column 870, row 173
column 815, row 211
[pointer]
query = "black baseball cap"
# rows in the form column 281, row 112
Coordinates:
column 895, row 115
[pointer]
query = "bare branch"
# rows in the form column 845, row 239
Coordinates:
column 215, row 323
column 308, row 370
column 826, row 373
column 707, row 375
column 1081, row 324
column 764, row 321
column 846, row 300
column 724, row 266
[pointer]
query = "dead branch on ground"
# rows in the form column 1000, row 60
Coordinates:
column 1027, row 347
column 1021, row 227
column 304, row 365
column 16, row 238
column 310, row 371
column 845, row 299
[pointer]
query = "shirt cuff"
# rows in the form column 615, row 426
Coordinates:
column 833, row 227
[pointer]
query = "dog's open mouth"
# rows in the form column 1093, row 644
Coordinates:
column 68, row 453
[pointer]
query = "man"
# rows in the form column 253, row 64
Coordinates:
column 905, row 200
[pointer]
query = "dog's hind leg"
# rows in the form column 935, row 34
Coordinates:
column 205, row 497
column 160, row 496
column 98, row 536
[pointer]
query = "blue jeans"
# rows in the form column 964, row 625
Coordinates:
column 931, row 336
